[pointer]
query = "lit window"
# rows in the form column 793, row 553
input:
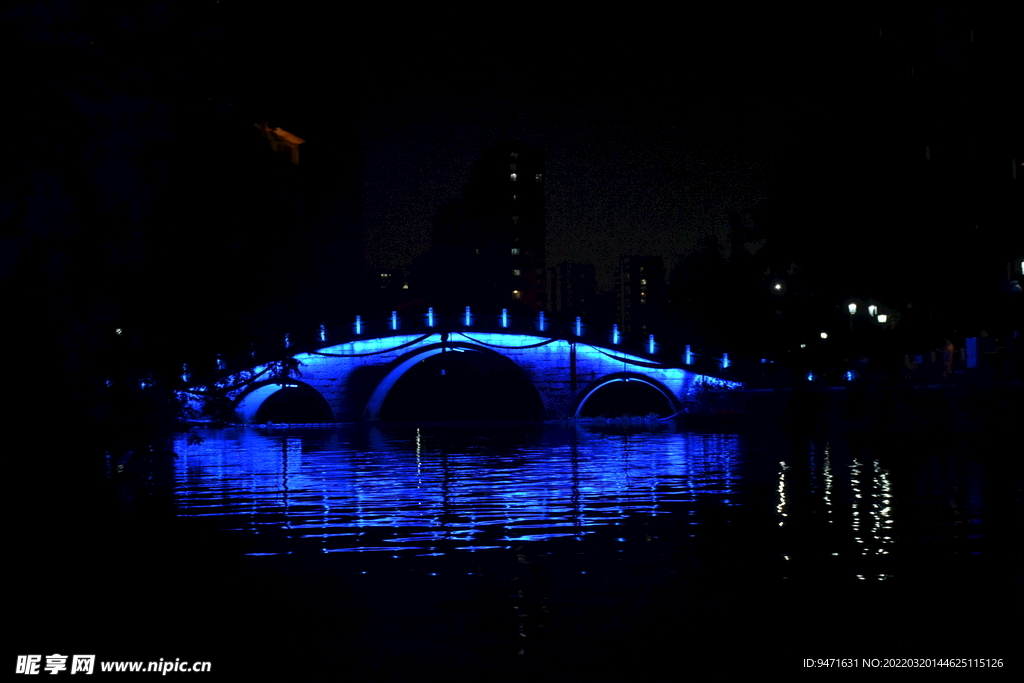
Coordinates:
column 516, row 272
column 643, row 281
column 513, row 177
column 515, row 251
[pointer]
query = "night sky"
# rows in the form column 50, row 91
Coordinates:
column 655, row 128
column 659, row 128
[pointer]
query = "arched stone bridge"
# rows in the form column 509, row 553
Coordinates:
column 354, row 378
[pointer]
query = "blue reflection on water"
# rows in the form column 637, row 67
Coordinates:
column 410, row 489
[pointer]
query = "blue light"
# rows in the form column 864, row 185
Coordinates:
column 359, row 324
column 688, row 360
column 849, row 375
column 810, row 376
column 540, row 321
column 504, row 317
column 579, row 327
column 323, row 332
column 763, row 361
column 394, row 320
column 287, row 340
column 430, row 317
column 650, row 344
column 184, row 372
column 469, row 318
column 725, row 361
column 615, row 334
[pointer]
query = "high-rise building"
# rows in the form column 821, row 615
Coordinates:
column 640, row 283
column 504, row 203
column 572, row 289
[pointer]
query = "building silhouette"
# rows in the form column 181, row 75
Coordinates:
column 488, row 247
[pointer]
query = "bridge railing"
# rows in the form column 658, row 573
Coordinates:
column 646, row 346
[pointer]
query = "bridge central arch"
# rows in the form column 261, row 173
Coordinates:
column 401, row 367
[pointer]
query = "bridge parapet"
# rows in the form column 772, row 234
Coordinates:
column 647, row 346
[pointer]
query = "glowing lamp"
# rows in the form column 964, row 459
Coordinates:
column 852, row 308
column 882, row 318
column 824, row 335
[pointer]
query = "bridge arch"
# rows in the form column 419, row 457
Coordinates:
column 402, row 365
column 604, row 382
column 249, row 406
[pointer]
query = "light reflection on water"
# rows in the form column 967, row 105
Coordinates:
column 418, row 489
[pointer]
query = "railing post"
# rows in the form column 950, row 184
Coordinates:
column 469, row 317
column 650, row 344
column 394, row 321
column 615, row 334
column 504, row 317
column 359, row 324
column 579, row 327
column 725, row 360
column 540, row 321
column 688, row 357
column 430, row 317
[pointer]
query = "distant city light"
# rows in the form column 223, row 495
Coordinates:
column 824, row 335
column 778, row 286
column 872, row 310
column 882, row 318
column 803, row 346
column 852, row 308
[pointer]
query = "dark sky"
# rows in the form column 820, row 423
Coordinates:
column 654, row 127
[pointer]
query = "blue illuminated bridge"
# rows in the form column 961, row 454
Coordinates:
column 405, row 368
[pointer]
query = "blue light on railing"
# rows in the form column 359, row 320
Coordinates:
column 615, row 334
column 430, row 317
column 540, row 322
column 725, row 361
column 849, row 375
column 323, row 332
column 184, row 372
column 650, row 344
column 359, row 324
column 579, row 327
column 810, row 376
column 394, row 320
column 220, row 363
column 287, row 341
column 688, row 360
column 504, row 317
column 469, row 317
